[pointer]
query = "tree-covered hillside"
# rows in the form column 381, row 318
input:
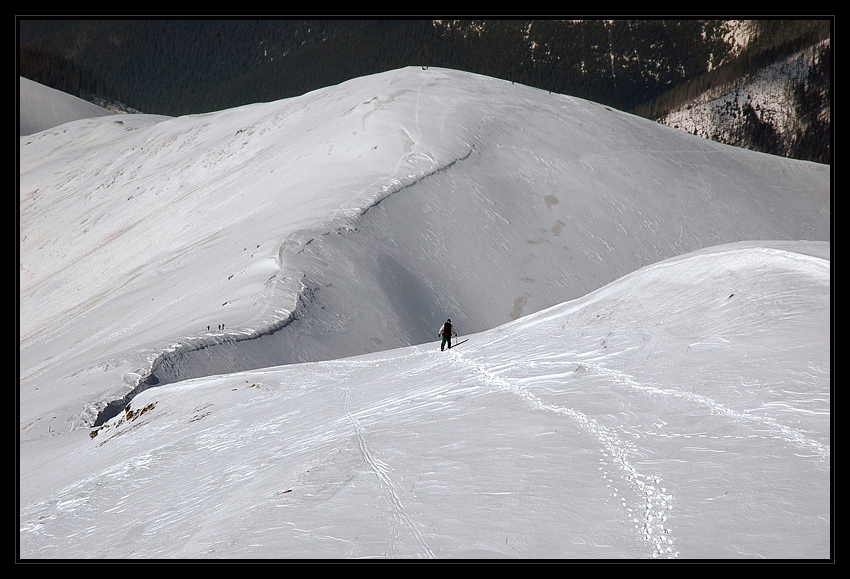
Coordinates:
column 185, row 66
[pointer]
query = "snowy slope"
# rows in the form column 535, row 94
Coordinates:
column 673, row 413
column 355, row 219
column 41, row 108
column 352, row 221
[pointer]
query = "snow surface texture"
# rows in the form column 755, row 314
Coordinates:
column 649, row 408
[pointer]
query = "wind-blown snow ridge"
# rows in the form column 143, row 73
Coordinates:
column 277, row 295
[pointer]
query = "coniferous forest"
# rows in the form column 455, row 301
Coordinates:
column 186, row 66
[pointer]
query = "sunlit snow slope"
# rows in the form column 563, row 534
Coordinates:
column 353, row 219
column 679, row 412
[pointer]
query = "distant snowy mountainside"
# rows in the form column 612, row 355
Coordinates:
column 762, row 110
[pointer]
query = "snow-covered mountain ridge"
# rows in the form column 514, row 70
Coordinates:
column 652, row 418
column 198, row 254
column 535, row 214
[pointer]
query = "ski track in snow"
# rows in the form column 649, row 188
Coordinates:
column 792, row 435
column 650, row 516
column 381, row 472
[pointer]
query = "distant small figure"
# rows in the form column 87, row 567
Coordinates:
column 222, row 326
column 446, row 332
column 208, row 328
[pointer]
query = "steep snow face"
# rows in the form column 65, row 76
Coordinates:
column 356, row 218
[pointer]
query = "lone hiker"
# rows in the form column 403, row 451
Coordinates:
column 446, row 332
